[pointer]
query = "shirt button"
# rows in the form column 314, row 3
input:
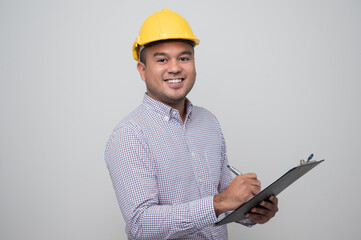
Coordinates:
column 193, row 154
column 166, row 118
column 200, row 180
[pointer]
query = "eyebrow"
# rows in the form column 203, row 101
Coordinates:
column 164, row 54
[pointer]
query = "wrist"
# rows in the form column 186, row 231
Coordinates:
column 218, row 204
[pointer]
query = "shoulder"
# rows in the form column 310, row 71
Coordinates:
column 127, row 137
column 129, row 127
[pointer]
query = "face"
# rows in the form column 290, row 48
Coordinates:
column 169, row 72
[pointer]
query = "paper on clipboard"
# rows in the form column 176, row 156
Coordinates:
column 274, row 189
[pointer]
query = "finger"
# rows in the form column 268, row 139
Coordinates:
column 255, row 190
column 257, row 218
column 269, row 205
column 249, row 175
column 273, row 199
column 260, row 215
column 243, row 179
column 262, row 211
column 266, row 208
column 265, row 211
column 255, row 182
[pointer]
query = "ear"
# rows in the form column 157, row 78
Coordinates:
column 141, row 70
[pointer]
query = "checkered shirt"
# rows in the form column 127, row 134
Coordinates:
column 165, row 173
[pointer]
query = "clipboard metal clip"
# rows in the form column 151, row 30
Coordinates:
column 304, row 162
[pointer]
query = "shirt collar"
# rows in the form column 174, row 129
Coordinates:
column 163, row 109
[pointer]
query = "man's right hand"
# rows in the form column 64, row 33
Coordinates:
column 240, row 190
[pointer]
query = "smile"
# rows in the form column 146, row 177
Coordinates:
column 175, row 80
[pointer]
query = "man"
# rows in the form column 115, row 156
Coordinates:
column 167, row 159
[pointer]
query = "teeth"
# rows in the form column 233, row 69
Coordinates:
column 174, row 80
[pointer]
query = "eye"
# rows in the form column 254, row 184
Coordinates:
column 161, row 60
column 183, row 59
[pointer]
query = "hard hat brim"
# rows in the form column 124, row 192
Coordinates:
column 137, row 45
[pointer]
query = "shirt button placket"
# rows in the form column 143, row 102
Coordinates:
column 198, row 172
column 197, row 167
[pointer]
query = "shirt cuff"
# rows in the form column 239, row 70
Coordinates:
column 203, row 213
column 246, row 222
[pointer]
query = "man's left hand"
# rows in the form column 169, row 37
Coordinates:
column 265, row 211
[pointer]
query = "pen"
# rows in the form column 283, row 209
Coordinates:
column 310, row 157
column 235, row 171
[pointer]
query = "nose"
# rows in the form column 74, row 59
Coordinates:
column 174, row 66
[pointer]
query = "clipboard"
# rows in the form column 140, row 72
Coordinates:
column 274, row 189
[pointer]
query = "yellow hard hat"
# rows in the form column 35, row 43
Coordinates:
column 163, row 25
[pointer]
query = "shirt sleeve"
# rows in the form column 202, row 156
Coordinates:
column 226, row 178
column 135, row 182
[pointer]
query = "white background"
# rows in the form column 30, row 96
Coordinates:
column 283, row 78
